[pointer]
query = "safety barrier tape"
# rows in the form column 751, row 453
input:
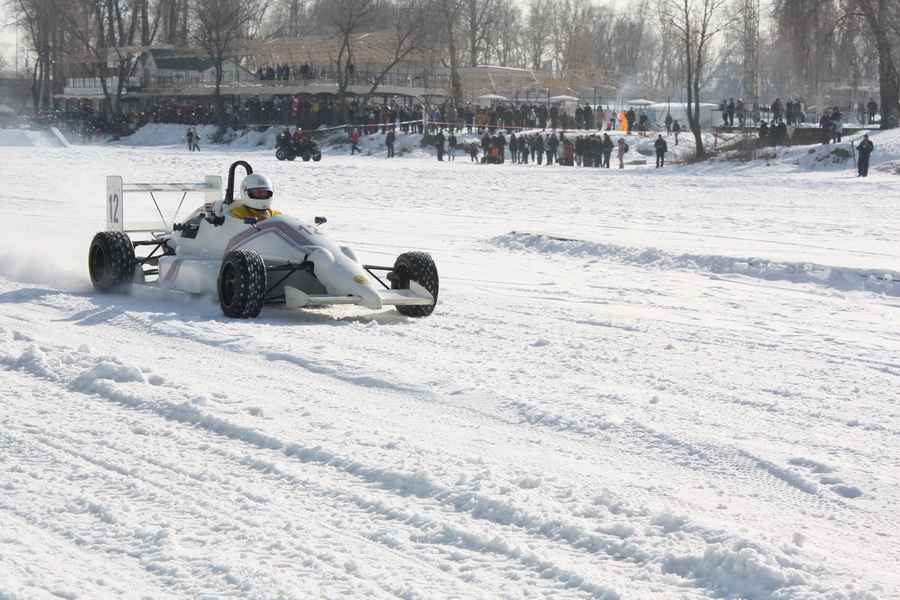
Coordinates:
column 497, row 127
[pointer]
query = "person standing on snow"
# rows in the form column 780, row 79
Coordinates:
column 661, row 149
column 354, row 139
column 623, row 148
column 825, row 124
column 190, row 139
column 196, row 138
column 451, row 146
column 389, row 142
column 439, row 141
column 607, row 150
column 873, row 110
column 865, row 149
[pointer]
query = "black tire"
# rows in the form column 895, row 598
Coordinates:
column 280, row 154
column 305, row 155
column 111, row 261
column 317, row 156
column 242, row 284
column 292, row 157
column 418, row 267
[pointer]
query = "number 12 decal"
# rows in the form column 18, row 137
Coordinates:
column 114, row 207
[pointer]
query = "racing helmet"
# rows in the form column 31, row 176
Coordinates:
column 257, row 192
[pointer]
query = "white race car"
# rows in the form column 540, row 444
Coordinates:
column 247, row 254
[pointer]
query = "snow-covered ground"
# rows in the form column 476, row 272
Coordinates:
column 637, row 384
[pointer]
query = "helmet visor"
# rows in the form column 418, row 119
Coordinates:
column 259, row 193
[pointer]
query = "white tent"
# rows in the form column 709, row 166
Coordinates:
column 678, row 110
column 490, row 97
column 564, row 98
column 639, row 102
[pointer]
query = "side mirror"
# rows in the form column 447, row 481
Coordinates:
column 321, row 220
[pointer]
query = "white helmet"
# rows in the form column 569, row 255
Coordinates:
column 257, row 192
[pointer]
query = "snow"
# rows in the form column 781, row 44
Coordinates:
column 637, row 384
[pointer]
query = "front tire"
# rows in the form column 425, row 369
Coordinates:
column 242, row 284
column 418, row 267
column 305, row 155
column 317, row 156
column 111, row 261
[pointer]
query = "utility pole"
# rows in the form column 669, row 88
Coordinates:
column 751, row 88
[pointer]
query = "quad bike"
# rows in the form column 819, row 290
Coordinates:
column 286, row 148
column 245, row 262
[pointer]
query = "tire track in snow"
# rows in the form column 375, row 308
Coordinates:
column 388, row 483
column 514, row 529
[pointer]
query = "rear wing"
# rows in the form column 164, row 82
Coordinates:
column 116, row 189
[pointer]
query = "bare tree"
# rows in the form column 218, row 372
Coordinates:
column 480, row 20
column 107, row 29
column 505, row 46
column 448, row 12
column 290, row 18
column 573, row 33
column 537, row 32
column 881, row 17
column 409, row 37
column 174, row 20
column 347, row 18
column 695, row 23
column 40, row 21
column 218, row 26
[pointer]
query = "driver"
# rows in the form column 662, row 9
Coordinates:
column 256, row 198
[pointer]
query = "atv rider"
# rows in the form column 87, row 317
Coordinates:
column 256, row 198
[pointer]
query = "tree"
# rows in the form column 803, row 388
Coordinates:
column 479, row 19
column 880, row 15
column 290, row 19
column 218, row 26
column 174, row 17
column 41, row 23
column 106, row 28
column 695, row 23
column 449, row 12
column 537, row 32
column 407, row 20
column 347, row 18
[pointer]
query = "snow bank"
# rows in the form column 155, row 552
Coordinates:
column 24, row 138
column 840, row 278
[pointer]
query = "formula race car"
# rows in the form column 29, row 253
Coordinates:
column 247, row 254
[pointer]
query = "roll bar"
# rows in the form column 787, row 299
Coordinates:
column 229, row 192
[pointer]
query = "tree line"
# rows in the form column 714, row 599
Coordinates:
column 686, row 50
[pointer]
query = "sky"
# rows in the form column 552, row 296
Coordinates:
column 637, row 383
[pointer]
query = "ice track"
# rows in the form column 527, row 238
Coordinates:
column 578, row 419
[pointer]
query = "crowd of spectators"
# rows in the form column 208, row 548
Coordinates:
column 409, row 117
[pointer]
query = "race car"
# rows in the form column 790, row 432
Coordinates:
column 248, row 255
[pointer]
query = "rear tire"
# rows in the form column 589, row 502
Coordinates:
column 111, row 261
column 305, row 155
column 418, row 267
column 242, row 284
column 280, row 154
